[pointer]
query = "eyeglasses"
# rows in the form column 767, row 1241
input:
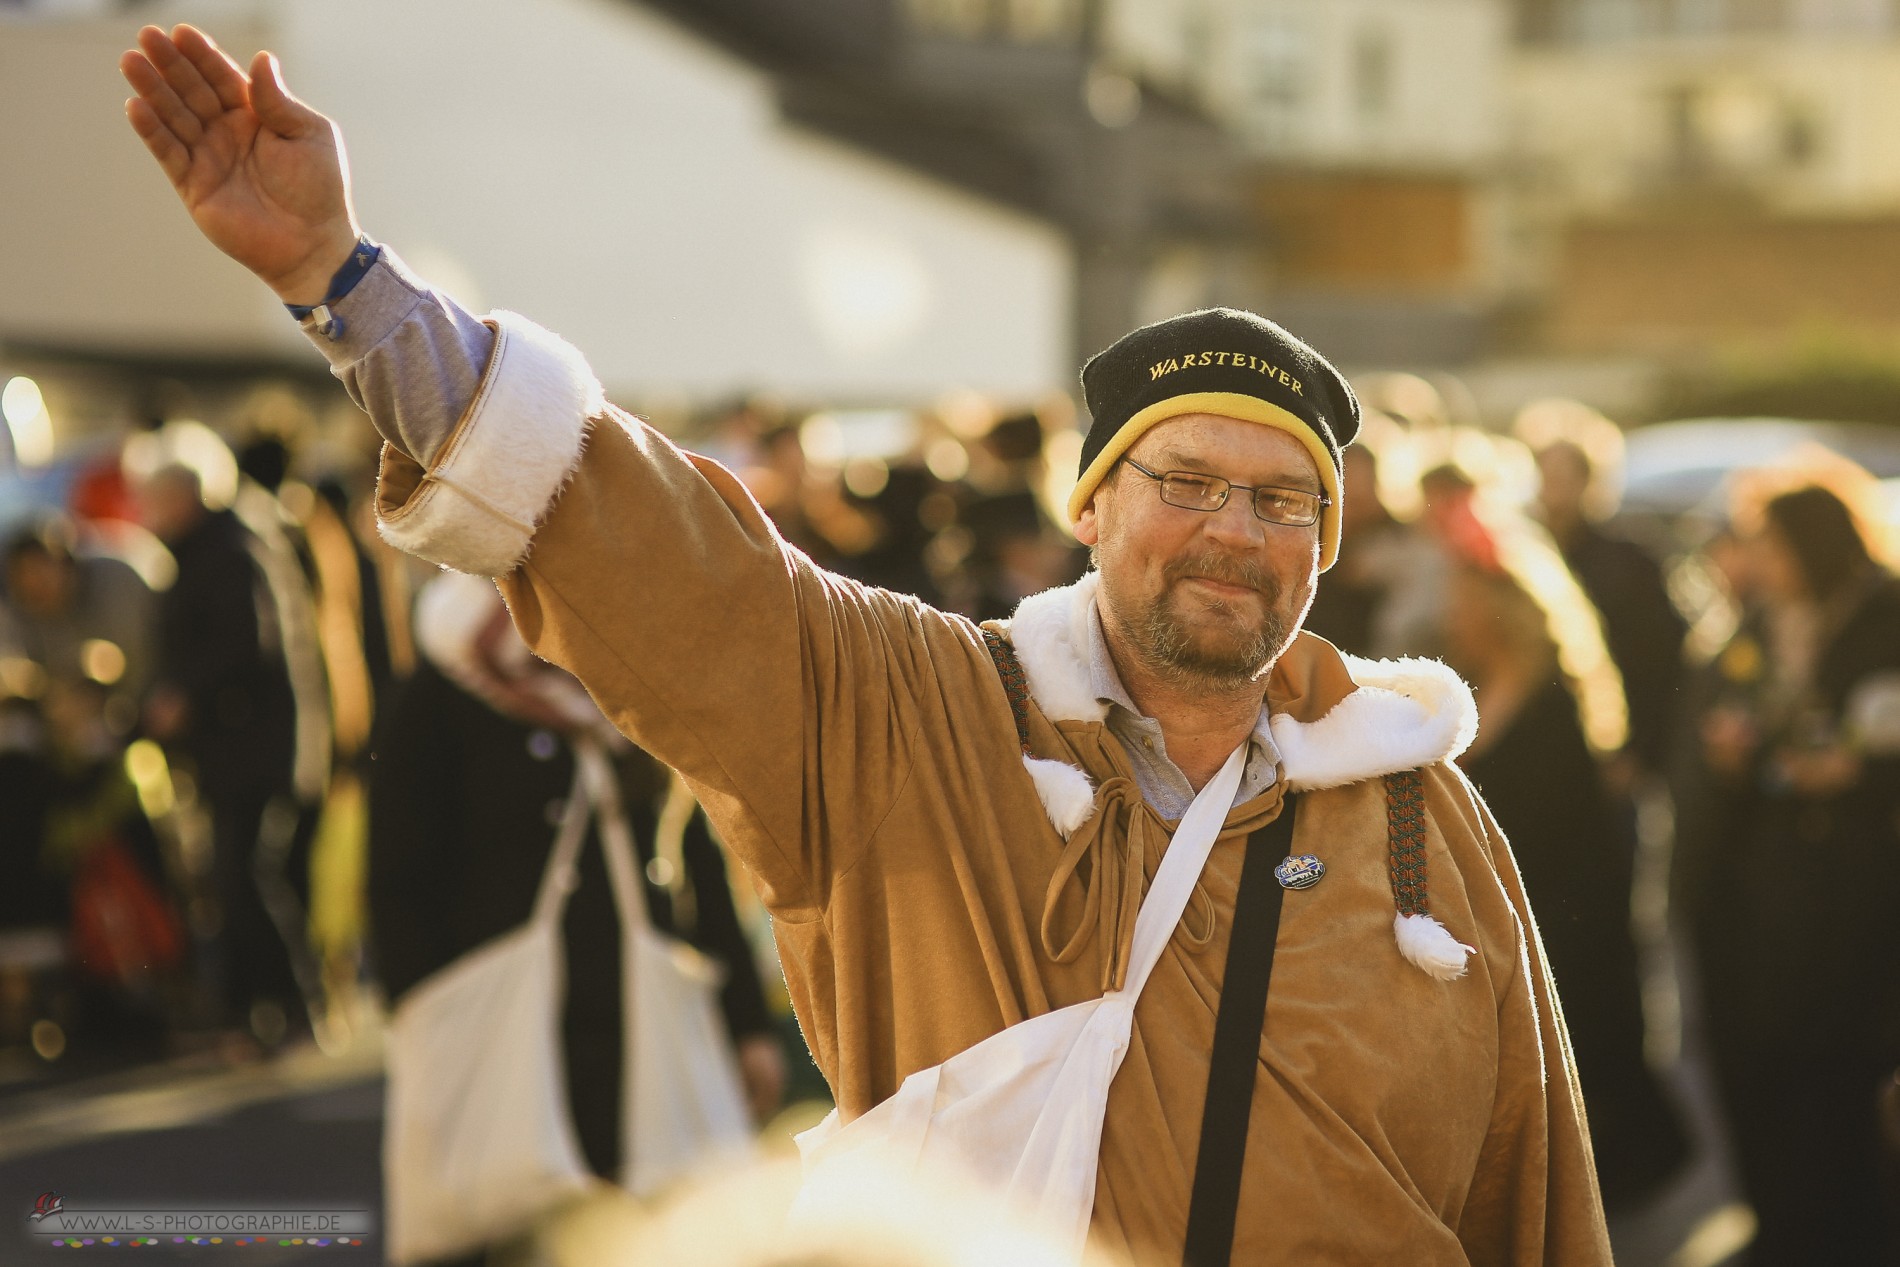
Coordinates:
column 1190, row 490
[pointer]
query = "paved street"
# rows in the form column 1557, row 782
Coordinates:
column 303, row 1132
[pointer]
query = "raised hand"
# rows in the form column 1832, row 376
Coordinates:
column 263, row 175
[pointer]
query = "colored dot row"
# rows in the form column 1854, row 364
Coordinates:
column 76, row 1242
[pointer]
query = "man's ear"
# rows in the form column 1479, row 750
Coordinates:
column 1088, row 527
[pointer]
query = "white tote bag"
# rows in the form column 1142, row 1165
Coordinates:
column 685, row 1106
column 478, row 1141
column 1021, row 1112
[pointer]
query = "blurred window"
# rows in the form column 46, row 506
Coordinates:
column 1045, row 20
column 1843, row 17
column 1023, row 21
column 1699, row 17
column 1758, row 15
column 56, row 9
column 1279, row 70
column 1607, row 21
column 1372, row 73
column 968, row 18
column 1603, row 21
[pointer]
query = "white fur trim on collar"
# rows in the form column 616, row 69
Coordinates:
column 1050, row 632
column 1405, row 714
column 493, row 481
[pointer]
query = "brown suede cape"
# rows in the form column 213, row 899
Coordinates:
column 858, row 754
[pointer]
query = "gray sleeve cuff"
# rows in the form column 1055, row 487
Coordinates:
column 409, row 355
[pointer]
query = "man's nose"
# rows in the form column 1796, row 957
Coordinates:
column 1235, row 524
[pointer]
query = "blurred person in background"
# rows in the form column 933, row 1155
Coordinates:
column 902, row 518
column 125, row 939
column 81, row 626
column 475, row 762
column 1014, row 552
column 333, row 644
column 331, row 709
column 280, row 546
column 880, row 532
column 352, row 602
column 806, row 506
column 34, row 900
column 223, row 703
column 1789, row 871
column 1454, row 508
column 1575, row 447
column 1386, row 595
column 739, row 1219
column 1573, row 841
column 1010, row 456
column 79, row 615
column 1015, row 548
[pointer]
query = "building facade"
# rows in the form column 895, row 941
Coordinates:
column 1690, row 176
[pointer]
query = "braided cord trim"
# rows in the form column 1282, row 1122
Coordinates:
column 1405, row 833
column 1015, row 682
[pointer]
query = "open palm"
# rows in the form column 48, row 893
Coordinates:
column 262, row 174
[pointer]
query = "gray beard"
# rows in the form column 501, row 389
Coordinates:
column 1167, row 650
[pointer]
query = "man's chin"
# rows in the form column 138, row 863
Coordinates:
column 1201, row 621
column 1225, row 659
column 1222, row 646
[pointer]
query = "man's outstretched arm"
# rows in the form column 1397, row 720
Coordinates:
column 791, row 699
column 266, row 179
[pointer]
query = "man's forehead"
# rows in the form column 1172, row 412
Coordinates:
column 1227, row 446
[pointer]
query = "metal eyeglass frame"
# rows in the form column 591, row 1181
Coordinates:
column 1321, row 500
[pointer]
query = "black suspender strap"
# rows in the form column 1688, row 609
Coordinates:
column 1237, row 1027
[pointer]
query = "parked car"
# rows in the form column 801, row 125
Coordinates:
column 1682, row 468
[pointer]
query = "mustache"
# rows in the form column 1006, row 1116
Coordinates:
column 1224, row 568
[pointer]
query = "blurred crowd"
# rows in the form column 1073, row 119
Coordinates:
column 1686, row 731
column 190, row 651
column 253, row 763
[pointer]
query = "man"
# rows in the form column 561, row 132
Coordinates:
column 1387, row 594
column 80, row 613
column 1641, row 625
column 947, row 855
column 223, row 699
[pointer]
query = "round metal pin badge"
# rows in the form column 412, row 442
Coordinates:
column 1299, row 872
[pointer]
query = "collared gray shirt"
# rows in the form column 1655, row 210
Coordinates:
column 1162, row 783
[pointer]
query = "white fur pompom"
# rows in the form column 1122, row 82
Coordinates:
column 1430, row 945
column 1067, row 796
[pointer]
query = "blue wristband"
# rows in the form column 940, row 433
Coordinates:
column 342, row 282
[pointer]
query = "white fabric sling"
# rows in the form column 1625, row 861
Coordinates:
column 1021, row 1112
column 478, row 1142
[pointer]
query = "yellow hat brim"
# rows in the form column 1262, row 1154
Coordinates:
column 1226, row 405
